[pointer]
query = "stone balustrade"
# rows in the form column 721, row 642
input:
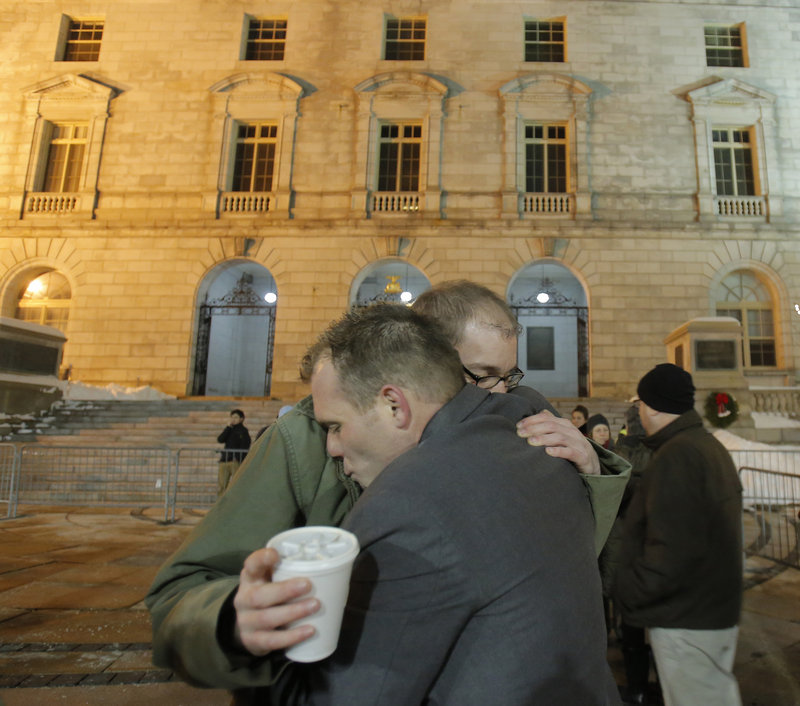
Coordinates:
column 779, row 400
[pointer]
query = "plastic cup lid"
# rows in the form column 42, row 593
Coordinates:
column 314, row 548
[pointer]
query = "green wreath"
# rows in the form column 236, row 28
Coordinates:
column 721, row 409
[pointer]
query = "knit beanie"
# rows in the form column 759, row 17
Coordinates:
column 667, row 388
column 596, row 420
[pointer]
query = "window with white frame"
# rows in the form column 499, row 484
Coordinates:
column 545, row 40
column 405, row 39
column 545, row 170
column 82, row 40
column 743, row 296
column 65, row 155
column 68, row 117
column 256, row 118
column 733, row 161
column 725, row 45
column 546, row 161
column 399, row 122
column 254, row 158
column 266, row 39
column 736, row 142
column 399, row 151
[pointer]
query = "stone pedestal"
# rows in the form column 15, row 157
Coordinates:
column 710, row 348
column 30, row 356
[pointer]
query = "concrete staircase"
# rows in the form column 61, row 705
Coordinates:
column 172, row 423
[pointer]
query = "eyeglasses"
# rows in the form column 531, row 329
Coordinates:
column 487, row 382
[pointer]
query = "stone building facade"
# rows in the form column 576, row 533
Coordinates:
column 164, row 166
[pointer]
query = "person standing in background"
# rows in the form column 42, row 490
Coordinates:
column 237, row 441
column 579, row 416
column 599, row 431
column 680, row 569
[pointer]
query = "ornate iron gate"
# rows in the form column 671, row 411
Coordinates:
column 527, row 307
column 242, row 300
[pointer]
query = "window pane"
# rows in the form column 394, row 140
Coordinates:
column 745, row 185
column 387, row 167
column 243, row 167
column 723, row 170
column 265, row 162
column 266, row 40
column 405, row 39
column 534, row 168
column 72, row 172
column 724, row 46
column 556, row 168
column 83, row 40
column 409, row 167
column 544, row 41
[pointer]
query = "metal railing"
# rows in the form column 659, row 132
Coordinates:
column 9, row 478
column 771, row 500
column 40, row 474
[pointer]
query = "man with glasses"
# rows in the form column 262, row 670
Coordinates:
column 288, row 480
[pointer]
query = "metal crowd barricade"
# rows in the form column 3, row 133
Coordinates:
column 9, row 478
column 94, row 475
column 194, row 482
column 772, row 500
column 780, row 460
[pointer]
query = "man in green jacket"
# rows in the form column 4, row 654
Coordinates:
column 288, row 480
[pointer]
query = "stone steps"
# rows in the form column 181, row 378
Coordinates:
column 171, row 423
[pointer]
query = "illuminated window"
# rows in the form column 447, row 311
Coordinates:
column 405, row 39
column 46, row 301
column 545, row 41
column 733, row 161
column 254, row 160
column 546, row 158
column 83, row 39
column 744, row 297
column 266, row 40
column 399, row 155
column 725, row 45
column 67, row 147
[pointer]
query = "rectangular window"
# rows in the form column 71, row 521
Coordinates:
column 725, row 45
column 733, row 161
column 546, row 158
column 399, row 156
column 266, row 40
column 83, row 40
column 544, row 41
column 405, row 39
column 65, row 157
column 254, row 160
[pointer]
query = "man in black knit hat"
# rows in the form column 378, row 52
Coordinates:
column 680, row 574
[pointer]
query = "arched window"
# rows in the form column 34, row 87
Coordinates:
column 746, row 298
column 46, row 300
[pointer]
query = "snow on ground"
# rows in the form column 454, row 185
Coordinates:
column 82, row 391
column 763, row 420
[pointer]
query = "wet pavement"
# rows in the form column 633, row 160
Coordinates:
column 74, row 629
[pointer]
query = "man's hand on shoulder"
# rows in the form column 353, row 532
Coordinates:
column 264, row 608
column 561, row 439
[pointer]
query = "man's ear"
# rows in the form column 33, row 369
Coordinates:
column 396, row 403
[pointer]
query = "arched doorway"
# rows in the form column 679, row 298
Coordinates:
column 550, row 305
column 389, row 280
column 236, row 308
column 44, row 298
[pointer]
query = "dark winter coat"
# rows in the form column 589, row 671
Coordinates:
column 681, row 563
